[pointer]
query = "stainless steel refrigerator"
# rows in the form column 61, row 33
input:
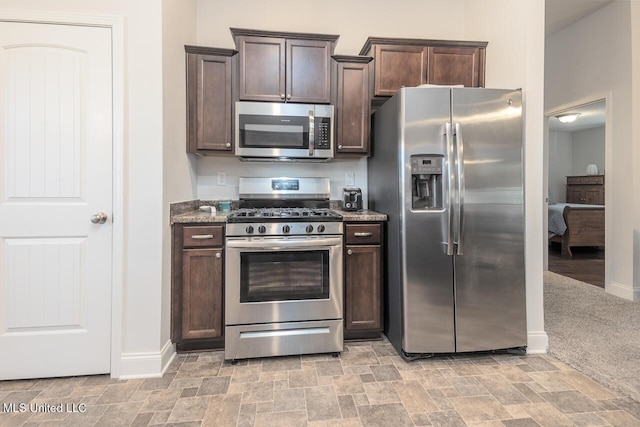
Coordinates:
column 447, row 168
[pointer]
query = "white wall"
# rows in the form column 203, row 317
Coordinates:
column 352, row 20
column 592, row 58
column 335, row 170
column 515, row 58
column 143, row 202
column 560, row 164
column 588, row 148
column 179, row 176
column 356, row 20
column 635, row 138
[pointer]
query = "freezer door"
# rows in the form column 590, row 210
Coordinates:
column 427, row 270
column 489, row 267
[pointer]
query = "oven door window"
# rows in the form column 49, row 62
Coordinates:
column 285, row 132
column 284, row 276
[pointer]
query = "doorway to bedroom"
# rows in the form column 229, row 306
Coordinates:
column 576, row 181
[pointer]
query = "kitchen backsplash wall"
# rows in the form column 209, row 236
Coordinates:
column 218, row 176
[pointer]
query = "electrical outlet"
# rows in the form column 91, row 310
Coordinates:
column 350, row 179
column 222, row 178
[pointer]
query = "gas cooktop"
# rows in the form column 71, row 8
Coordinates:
column 283, row 215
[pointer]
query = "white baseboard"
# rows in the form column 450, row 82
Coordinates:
column 146, row 365
column 537, row 343
column 623, row 291
column 168, row 354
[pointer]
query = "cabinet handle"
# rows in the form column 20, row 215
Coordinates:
column 339, row 146
column 228, row 144
column 282, row 96
column 288, row 96
column 361, row 234
column 349, row 252
column 202, row 236
column 218, row 255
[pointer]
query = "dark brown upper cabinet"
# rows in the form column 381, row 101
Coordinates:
column 352, row 103
column 412, row 62
column 210, row 96
column 284, row 67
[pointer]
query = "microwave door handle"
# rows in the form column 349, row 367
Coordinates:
column 312, row 133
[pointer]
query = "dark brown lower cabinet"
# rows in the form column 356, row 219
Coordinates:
column 198, row 284
column 363, row 316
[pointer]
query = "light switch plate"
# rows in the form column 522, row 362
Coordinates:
column 350, row 179
column 222, row 178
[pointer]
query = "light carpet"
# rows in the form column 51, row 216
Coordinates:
column 596, row 333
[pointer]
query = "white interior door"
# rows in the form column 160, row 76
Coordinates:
column 55, row 173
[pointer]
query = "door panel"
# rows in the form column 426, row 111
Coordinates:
column 55, row 157
column 489, row 275
column 428, row 271
column 308, row 71
column 262, row 68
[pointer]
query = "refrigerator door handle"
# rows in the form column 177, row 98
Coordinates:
column 448, row 134
column 461, row 184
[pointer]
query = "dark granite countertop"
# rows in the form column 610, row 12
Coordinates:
column 365, row 215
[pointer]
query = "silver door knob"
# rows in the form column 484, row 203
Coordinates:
column 228, row 144
column 339, row 146
column 288, row 96
column 349, row 252
column 282, row 95
column 99, row 218
column 218, row 255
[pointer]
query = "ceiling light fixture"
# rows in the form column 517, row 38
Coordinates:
column 568, row 118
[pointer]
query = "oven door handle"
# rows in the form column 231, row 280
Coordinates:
column 279, row 244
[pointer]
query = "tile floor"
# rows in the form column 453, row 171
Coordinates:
column 368, row 385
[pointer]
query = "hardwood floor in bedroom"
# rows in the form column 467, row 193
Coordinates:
column 586, row 265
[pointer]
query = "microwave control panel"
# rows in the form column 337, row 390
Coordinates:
column 323, row 136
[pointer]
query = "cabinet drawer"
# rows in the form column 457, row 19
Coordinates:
column 585, row 180
column 363, row 234
column 200, row 236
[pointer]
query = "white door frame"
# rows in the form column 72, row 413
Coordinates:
column 608, row 167
column 116, row 24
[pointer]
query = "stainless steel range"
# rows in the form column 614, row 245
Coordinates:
column 283, row 268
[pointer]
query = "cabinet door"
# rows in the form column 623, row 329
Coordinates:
column 202, row 298
column 449, row 65
column 209, row 103
column 575, row 195
column 262, row 68
column 363, row 288
column 398, row 66
column 594, row 196
column 308, row 71
column 353, row 108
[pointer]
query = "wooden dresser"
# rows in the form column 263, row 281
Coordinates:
column 587, row 189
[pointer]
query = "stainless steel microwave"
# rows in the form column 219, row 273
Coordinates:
column 279, row 131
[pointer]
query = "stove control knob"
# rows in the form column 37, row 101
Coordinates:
column 286, row 229
column 262, row 229
column 320, row 228
column 309, row 228
column 249, row 229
